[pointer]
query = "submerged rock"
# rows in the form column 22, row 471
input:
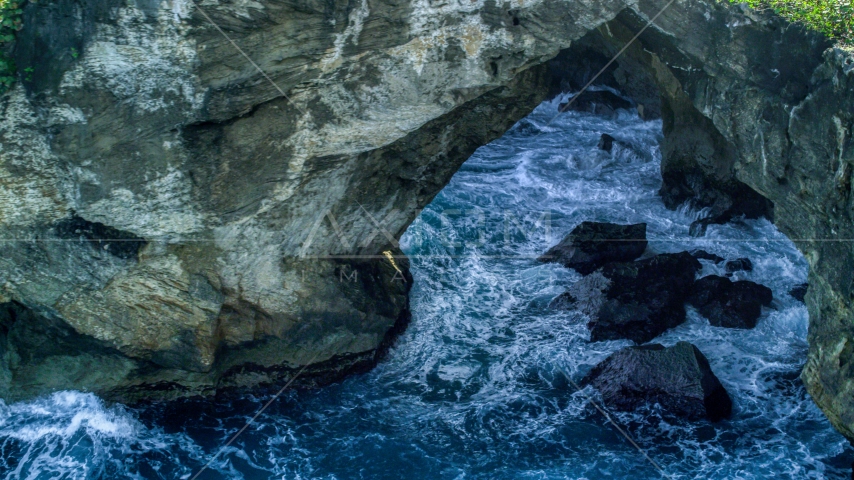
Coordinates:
column 704, row 255
column 799, row 292
column 729, row 304
column 638, row 300
column 601, row 102
column 678, row 378
column 592, row 244
column 739, row 264
column 563, row 301
column 606, row 142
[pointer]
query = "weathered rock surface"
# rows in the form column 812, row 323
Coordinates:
column 729, row 304
column 207, row 233
column 678, row 378
column 159, row 129
column 766, row 108
column 636, row 300
column 739, row 265
column 591, row 245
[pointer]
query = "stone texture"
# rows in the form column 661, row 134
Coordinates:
column 635, row 300
column 175, row 209
column 573, row 68
column 678, row 378
column 752, row 104
column 729, row 304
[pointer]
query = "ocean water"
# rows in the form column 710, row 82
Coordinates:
column 475, row 388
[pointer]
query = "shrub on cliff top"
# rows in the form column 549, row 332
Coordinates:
column 10, row 22
column 834, row 18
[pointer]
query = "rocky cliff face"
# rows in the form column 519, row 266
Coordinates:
column 758, row 118
column 174, row 225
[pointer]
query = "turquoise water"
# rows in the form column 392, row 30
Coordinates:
column 474, row 389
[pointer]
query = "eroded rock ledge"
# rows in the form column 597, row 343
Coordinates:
column 237, row 216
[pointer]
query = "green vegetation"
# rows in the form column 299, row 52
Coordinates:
column 834, row 18
column 10, row 22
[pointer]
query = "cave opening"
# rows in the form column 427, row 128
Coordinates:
column 494, row 322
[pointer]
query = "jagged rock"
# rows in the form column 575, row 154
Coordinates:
column 678, row 378
column 729, row 304
column 799, row 292
column 739, row 264
column 592, row 244
column 637, row 300
column 698, row 228
column 606, row 142
column 563, row 301
column 744, row 203
column 602, row 102
column 704, row 255
column 49, row 352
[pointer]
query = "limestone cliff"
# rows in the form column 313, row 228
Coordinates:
column 173, row 225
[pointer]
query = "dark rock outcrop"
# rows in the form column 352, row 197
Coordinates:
column 744, row 203
column 704, row 255
column 678, row 378
column 592, row 244
column 739, row 265
column 729, row 304
column 799, row 292
column 601, row 102
column 606, row 142
column 638, row 300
